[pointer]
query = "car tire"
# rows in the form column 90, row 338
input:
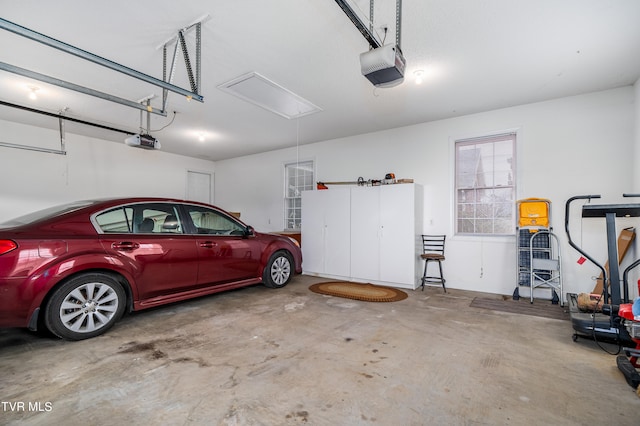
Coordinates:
column 279, row 270
column 85, row 306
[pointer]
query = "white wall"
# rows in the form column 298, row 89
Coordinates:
column 575, row 145
column 92, row 168
column 570, row 146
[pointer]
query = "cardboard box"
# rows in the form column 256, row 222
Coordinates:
column 625, row 239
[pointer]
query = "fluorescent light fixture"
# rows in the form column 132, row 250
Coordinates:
column 259, row 90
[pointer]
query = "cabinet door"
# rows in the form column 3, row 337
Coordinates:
column 397, row 234
column 365, row 233
column 312, row 232
column 337, row 226
column 326, row 231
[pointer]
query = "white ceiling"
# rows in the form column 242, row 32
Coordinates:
column 477, row 55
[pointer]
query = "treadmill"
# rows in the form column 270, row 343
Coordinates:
column 606, row 325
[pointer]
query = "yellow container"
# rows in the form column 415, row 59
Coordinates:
column 533, row 212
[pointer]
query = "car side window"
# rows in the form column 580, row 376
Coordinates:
column 116, row 221
column 158, row 218
column 212, row 222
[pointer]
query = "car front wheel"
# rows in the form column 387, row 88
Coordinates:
column 85, row 306
column 279, row 270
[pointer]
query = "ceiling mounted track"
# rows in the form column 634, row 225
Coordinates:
column 67, row 48
column 72, row 86
column 367, row 33
column 61, row 119
column 60, row 115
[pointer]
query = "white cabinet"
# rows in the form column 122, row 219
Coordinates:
column 325, row 221
column 380, row 239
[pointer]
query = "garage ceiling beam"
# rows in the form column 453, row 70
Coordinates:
column 67, row 48
column 72, row 86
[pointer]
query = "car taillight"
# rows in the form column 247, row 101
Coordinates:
column 6, row 246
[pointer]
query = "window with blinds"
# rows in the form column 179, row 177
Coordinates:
column 485, row 170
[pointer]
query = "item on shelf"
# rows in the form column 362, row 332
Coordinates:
column 336, row 183
column 359, row 182
column 389, row 178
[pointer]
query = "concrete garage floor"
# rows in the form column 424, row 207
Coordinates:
column 258, row 356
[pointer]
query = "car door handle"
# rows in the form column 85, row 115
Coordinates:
column 125, row 246
column 208, row 244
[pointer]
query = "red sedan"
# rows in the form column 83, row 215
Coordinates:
column 77, row 268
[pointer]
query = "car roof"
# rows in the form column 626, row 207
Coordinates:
column 90, row 206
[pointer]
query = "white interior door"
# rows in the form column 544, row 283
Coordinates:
column 199, row 186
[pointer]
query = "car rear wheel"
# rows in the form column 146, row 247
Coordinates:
column 279, row 270
column 85, row 306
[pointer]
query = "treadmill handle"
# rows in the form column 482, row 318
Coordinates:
column 574, row 245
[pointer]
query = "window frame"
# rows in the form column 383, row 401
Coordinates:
column 186, row 224
column 137, row 211
column 239, row 228
column 511, row 135
column 309, row 163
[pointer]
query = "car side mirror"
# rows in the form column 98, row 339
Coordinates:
column 250, row 232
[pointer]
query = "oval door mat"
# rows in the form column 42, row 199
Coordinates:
column 364, row 292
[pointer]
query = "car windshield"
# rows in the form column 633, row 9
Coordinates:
column 48, row 212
